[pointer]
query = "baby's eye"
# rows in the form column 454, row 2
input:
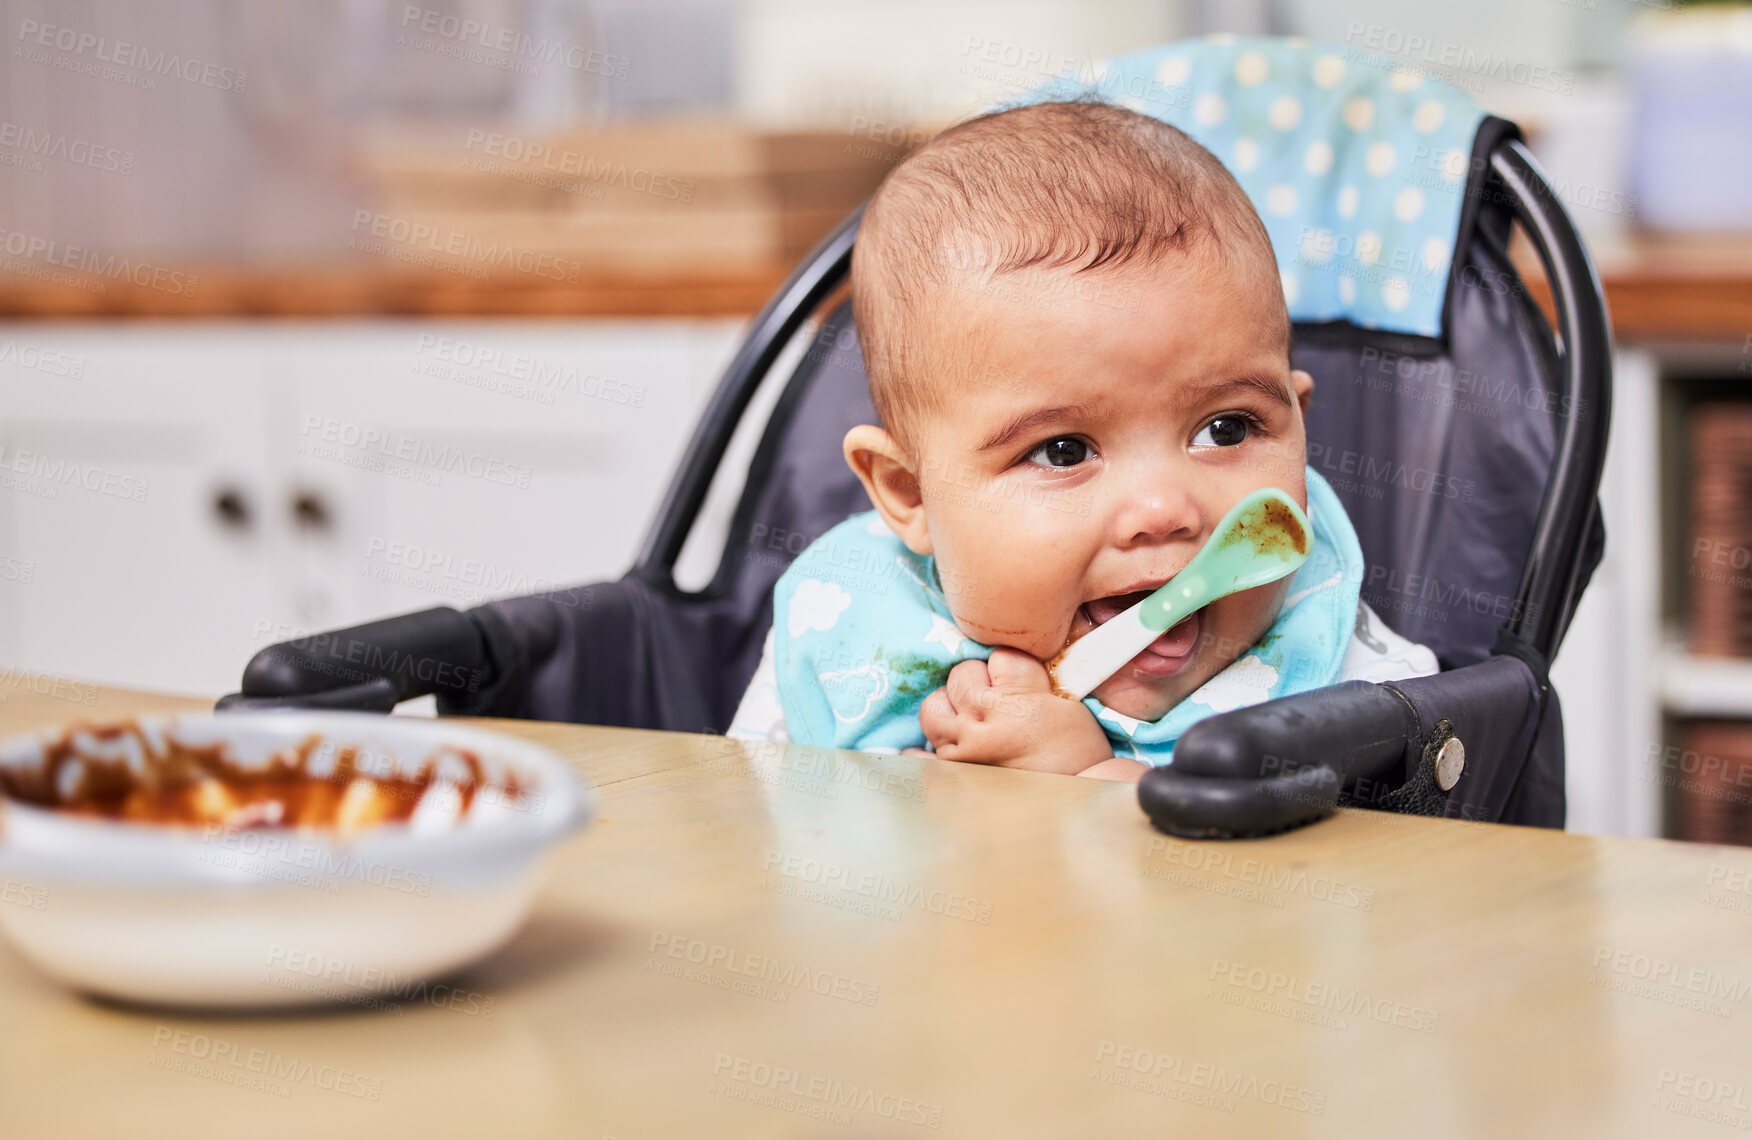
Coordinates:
column 1065, row 451
column 1224, row 431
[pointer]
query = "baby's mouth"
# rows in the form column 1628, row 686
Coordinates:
column 1170, row 653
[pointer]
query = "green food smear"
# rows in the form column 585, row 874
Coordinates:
column 915, row 675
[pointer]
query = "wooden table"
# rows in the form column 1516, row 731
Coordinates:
column 777, row 942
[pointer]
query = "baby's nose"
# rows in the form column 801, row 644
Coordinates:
column 1156, row 511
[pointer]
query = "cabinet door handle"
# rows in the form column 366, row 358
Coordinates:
column 232, row 508
column 311, row 512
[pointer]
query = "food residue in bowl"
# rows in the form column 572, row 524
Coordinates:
column 122, row 772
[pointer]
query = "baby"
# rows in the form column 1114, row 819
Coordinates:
column 1077, row 343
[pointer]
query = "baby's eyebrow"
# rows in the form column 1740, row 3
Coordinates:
column 1028, row 422
column 1271, row 387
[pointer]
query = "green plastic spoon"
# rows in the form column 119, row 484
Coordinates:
column 1264, row 537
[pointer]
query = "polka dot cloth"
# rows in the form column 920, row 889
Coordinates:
column 1357, row 169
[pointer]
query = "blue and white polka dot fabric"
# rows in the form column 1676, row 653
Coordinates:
column 1358, row 169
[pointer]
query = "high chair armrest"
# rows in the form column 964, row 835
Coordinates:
column 1453, row 744
column 614, row 653
column 368, row 667
column 1279, row 764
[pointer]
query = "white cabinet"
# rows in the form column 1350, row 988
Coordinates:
column 1605, row 671
column 111, row 467
column 177, row 496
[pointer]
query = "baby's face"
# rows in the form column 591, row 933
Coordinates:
column 1087, row 449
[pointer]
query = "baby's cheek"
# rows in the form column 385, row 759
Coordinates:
column 1004, row 596
column 1243, row 619
column 1008, row 627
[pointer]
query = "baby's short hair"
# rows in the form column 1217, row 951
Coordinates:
column 1076, row 186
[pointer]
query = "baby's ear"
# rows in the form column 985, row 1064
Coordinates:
column 1304, row 386
column 891, row 479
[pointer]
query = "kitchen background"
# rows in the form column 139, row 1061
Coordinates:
column 263, row 264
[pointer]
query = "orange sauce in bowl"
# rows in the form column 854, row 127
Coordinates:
column 185, row 785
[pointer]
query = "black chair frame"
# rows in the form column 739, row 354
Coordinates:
column 1256, row 770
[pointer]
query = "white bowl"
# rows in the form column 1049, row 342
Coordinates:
column 273, row 916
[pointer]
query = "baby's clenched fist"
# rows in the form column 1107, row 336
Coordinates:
column 1004, row 712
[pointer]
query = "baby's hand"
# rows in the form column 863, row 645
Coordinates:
column 1004, row 712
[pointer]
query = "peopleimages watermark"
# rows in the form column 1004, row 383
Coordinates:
column 505, row 48
column 815, row 1095
column 1667, row 982
column 572, row 171
column 1318, row 1003
column 1698, row 774
column 416, row 242
column 517, row 374
column 977, row 271
column 396, row 453
column 325, row 653
column 304, row 862
column 855, row 565
column 882, row 140
column 1485, row 393
column 1704, row 1098
column 34, row 473
column 1729, row 888
column 867, row 892
column 1197, row 1082
column 46, row 255
column 758, row 975
column 262, row 1070
column 136, row 65
column 1394, row 589
column 20, row 142
column 819, row 771
column 335, row 979
column 1008, row 64
column 18, row 678
column 970, row 486
column 26, row 895
column 49, row 361
column 1375, row 473
column 1713, row 560
column 1252, row 876
column 1457, row 57
column 432, row 571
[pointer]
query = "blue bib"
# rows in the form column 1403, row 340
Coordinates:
column 862, row 635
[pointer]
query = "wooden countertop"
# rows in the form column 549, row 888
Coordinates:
column 973, row 952
column 1665, row 288
column 1674, row 288
column 371, row 291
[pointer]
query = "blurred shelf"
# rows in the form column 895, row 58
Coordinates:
column 665, row 217
column 1704, row 686
column 350, row 290
column 1674, row 287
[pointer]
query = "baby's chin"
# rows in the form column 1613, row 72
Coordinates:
column 1137, row 699
column 1145, row 697
column 1146, row 693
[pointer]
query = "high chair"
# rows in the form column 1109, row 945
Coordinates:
column 1464, row 433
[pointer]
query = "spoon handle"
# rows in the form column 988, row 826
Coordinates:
column 1098, row 654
